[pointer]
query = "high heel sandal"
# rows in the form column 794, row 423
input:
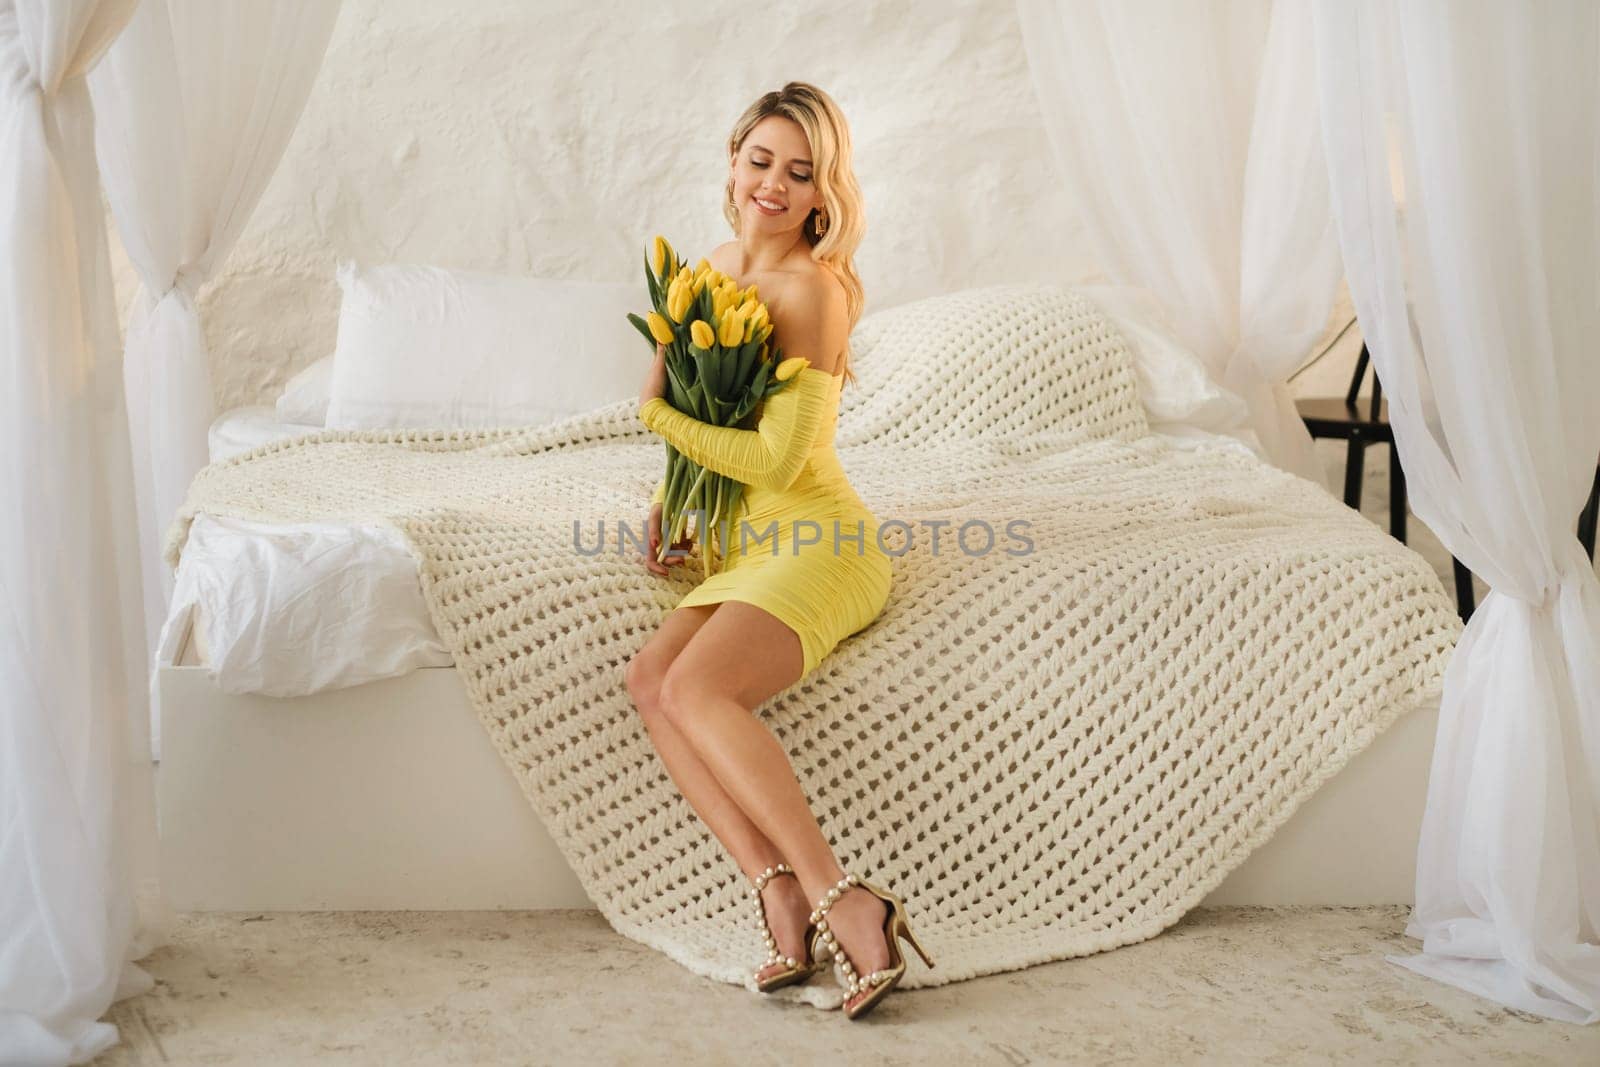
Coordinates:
column 878, row 983
column 795, row 970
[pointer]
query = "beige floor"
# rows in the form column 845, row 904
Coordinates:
column 1238, row 985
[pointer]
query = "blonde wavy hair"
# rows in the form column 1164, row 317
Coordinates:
column 834, row 173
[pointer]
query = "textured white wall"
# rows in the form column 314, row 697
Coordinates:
column 556, row 138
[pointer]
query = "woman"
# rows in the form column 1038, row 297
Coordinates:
column 767, row 619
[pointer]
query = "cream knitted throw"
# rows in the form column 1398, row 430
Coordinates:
column 1047, row 754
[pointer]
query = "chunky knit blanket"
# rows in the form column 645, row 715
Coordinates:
column 1049, row 748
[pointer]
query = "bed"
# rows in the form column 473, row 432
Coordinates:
column 314, row 800
column 314, row 803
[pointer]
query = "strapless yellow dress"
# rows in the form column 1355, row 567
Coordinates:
column 801, row 544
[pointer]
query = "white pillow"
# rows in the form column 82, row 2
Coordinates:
column 1174, row 385
column 426, row 347
column 304, row 401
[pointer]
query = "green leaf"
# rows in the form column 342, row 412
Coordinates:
column 717, row 371
column 677, row 388
column 644, row 328
column 650, row 281
column 747, row 357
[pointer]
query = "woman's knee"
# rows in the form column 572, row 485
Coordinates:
column 644, row 679
column 680, row 694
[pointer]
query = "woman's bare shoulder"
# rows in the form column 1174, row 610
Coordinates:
column 813, row 287
column 812, row 320
column 824, row 283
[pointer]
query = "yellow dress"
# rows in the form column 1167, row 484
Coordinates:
column 834, row 578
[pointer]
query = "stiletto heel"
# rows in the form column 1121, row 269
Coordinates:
column 795, row 970
column 877, row 984
column 903, row 930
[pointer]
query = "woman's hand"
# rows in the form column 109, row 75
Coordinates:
column 655, row 379
column 652, row 564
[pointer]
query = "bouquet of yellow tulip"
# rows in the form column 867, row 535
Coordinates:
column 718, row 369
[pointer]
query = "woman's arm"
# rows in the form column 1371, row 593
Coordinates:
column 660, row 495
column 773, row 454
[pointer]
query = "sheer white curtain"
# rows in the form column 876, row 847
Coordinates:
column 197, row 100
column 1481, row 305
column 1187, row 134
column 79, row 893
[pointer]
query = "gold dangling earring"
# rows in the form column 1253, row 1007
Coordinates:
column 822, row 223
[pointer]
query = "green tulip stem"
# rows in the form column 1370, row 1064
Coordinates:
column 690, row 497
column 716, row 511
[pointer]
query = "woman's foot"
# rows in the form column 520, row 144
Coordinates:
column 787, row 917
column 856, row 920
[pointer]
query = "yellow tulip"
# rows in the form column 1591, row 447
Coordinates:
column 700, row 333
column 750, row 291
column 659, row 328
column 790, row 367
column 679, row 297
column 661, row 256
column 760, row 316
column 721, row 300
column 747, row 308
column 749, row 331
column 732, row 330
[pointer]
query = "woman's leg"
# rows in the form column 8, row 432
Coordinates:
column 732, row 664
column 785, row 901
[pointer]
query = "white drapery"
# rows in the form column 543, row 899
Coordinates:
column 1187, row 134
column 79, row 889
column 197, row 101
column 1480, row 302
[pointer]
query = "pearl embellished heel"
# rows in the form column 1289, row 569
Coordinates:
column 878, row 983
column 795, row 970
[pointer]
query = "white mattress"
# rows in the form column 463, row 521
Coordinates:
column 290, row 609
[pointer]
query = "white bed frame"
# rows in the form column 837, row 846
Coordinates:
column 389, row 796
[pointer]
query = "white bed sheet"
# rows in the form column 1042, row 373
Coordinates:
column 290, row 609
column 242, row 429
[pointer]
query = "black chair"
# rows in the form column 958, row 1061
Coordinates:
column 1591, row 513
column 1342, row 418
